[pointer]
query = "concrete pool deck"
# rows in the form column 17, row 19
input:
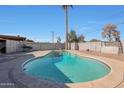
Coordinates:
column 114, row 79
column 11, row 74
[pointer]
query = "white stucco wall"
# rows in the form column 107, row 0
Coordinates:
column 92, row 46
column 109, row 49
column 84, row 46
column 123, row 45
column 96, row 47
column 72, row 46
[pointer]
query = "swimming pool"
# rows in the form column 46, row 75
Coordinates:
column 65, row 67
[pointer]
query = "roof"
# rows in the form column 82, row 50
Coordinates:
column 8, row 37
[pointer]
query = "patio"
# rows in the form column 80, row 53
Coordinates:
column 11, row 74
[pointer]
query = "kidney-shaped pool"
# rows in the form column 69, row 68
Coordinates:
column 65, row 67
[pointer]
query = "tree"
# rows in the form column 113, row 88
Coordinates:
column 73, row 39
column 116, row 35
column 81, row 38
column 28, row 40
column 66, row 14
column 73, row 36
column 110, row 32
column 59, row 42
column 94, row 40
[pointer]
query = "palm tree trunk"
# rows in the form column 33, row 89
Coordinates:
column 66, row 13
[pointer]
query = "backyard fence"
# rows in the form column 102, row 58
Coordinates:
column 45, row 46
column 102, row 47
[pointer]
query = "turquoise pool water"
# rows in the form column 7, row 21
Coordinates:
column 64, row 67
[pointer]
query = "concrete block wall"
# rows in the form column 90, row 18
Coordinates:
column 44, row 46
column 15, row 46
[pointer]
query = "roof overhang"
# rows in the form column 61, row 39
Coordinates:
column 16, row 38
column 2, row 39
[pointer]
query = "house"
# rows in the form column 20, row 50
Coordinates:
column 9, row 44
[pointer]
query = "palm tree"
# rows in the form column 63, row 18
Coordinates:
column 73, row 36
column 73, row 39
column 66, row 14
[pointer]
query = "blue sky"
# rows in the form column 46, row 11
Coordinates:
column 37, row 22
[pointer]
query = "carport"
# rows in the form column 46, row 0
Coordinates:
column 2, row 46
column 10, row 44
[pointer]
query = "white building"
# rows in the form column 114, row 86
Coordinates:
column 9, row 44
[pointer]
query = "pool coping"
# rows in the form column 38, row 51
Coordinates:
column 111, row 80
column 32, row 82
